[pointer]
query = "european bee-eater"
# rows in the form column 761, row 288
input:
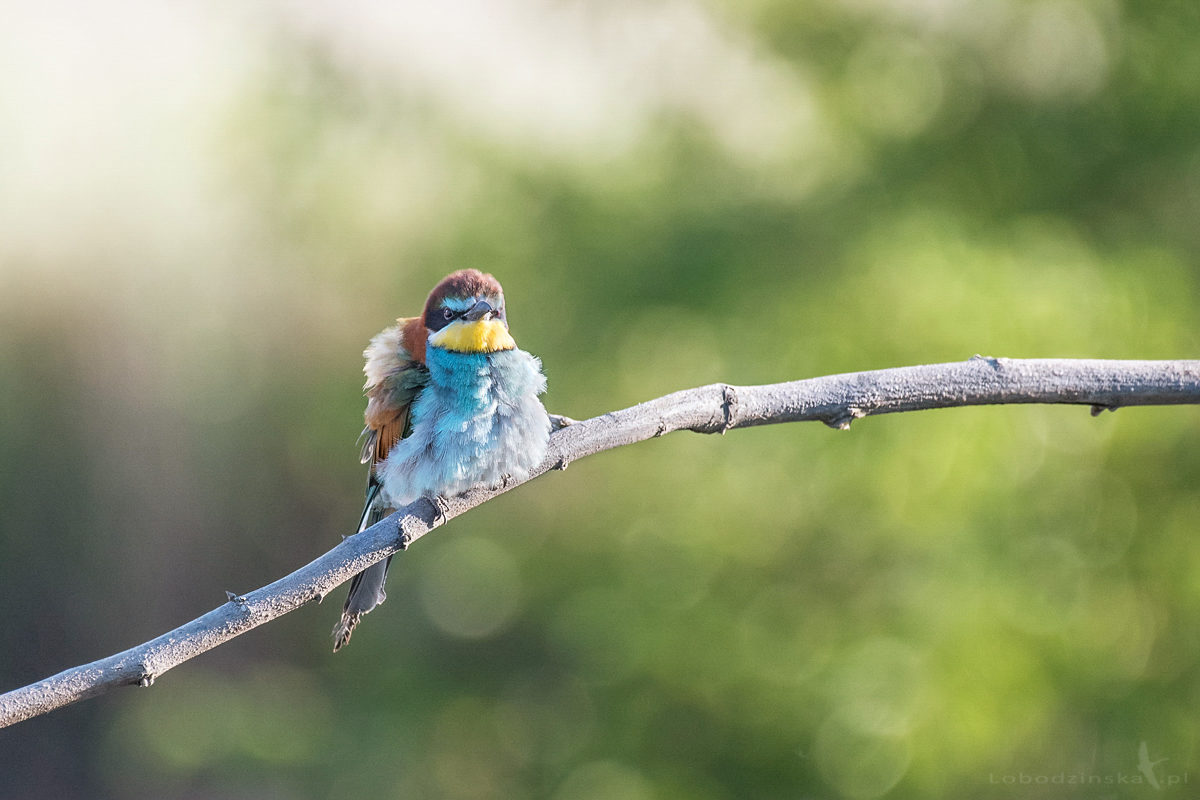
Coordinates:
column 452, row 404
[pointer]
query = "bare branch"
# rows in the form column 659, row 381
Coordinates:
column 836, row 400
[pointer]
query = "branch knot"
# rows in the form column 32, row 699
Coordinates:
column 729, row 405
column 842, row 420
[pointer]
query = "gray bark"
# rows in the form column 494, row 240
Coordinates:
column 836, row 400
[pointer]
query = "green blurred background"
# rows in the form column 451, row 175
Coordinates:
column 206, row 209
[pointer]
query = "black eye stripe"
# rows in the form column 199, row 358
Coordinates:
column 436, row 318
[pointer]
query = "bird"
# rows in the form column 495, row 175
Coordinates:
column 452, row 405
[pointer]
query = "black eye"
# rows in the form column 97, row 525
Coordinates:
column 447, row 314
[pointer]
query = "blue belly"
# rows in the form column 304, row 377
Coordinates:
column 477, row 422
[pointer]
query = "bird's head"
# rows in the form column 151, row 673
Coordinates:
column 465, row 314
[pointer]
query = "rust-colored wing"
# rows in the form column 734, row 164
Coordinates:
column 395, row 376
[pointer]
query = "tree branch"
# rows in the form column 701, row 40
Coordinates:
column 836, row 400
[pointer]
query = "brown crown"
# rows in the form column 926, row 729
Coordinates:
column 464, row 283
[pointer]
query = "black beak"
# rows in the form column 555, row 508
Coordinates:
column 478, row 311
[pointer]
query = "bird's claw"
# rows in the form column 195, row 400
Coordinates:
column 441, row 508
column 558, row 422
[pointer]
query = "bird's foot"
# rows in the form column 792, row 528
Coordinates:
column 441, row 508
column 558, row 422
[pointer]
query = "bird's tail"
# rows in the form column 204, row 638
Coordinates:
column 366, row 588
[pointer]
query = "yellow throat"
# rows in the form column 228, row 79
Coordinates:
column 481, row 336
